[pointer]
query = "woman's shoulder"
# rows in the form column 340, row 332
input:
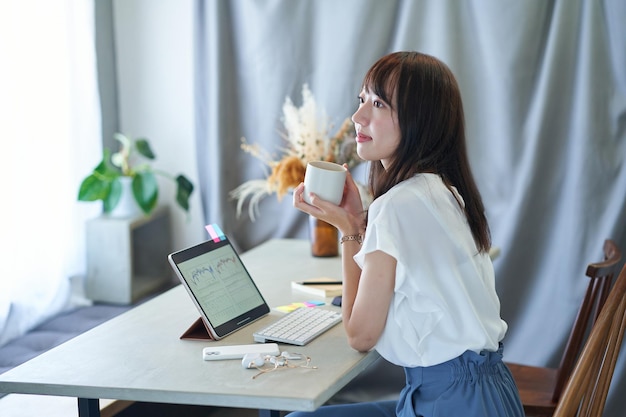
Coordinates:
column 423, row 193
column 420, row 185
column 417, row 190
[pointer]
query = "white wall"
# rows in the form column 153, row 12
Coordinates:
column 154, row 56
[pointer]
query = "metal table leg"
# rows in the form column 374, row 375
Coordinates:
column 88, row 407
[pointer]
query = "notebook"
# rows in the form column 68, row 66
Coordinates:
column 323, row 287
column 220, row 286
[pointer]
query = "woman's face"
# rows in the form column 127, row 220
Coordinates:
column 378, row 132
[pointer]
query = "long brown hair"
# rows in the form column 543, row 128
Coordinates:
column 432, row 127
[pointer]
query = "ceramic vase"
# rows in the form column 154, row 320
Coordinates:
column 127, row 207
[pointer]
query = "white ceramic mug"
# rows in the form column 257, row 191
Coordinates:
column 326, row 180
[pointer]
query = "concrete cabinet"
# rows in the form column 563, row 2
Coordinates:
column 127, row 258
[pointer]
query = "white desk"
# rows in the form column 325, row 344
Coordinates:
column 138, row 355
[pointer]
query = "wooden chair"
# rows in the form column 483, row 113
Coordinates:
column 541, row 387
column 586, row 391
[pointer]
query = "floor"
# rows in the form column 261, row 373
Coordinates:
column 20, row 405
column 169, row 410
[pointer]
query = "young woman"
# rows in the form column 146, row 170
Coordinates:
column 418, row 281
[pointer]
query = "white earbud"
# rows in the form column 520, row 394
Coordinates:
column 252, row 360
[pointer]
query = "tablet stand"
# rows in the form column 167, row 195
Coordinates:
column 197, row 331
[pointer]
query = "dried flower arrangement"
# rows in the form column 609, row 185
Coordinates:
column 307, row 139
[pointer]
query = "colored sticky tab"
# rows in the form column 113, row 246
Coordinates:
column 218, row 231
column 294, row 306
column 215, row 232
column 287, row 309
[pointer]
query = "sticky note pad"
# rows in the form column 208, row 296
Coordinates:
column 294, row 306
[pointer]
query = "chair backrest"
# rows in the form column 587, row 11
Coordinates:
column 600, row 280
column 586, row 391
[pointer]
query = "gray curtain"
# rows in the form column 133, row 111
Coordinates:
column 544, row 90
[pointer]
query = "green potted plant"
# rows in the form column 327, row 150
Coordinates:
column 106, row 180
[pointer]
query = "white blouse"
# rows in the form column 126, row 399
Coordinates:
column 444, row 300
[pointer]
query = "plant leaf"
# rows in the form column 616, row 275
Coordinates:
column 93, row 188
column 123, row 140
column 146, row 191
column 183, row 191
column 143, row 147
column 113, row 195
column 105, row 169
column 97, row 186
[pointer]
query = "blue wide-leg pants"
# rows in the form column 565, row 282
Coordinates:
column 471, row 385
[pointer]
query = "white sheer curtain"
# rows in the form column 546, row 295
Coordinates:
column 50, row 133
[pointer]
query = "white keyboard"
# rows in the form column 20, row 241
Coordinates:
column 299, row 327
